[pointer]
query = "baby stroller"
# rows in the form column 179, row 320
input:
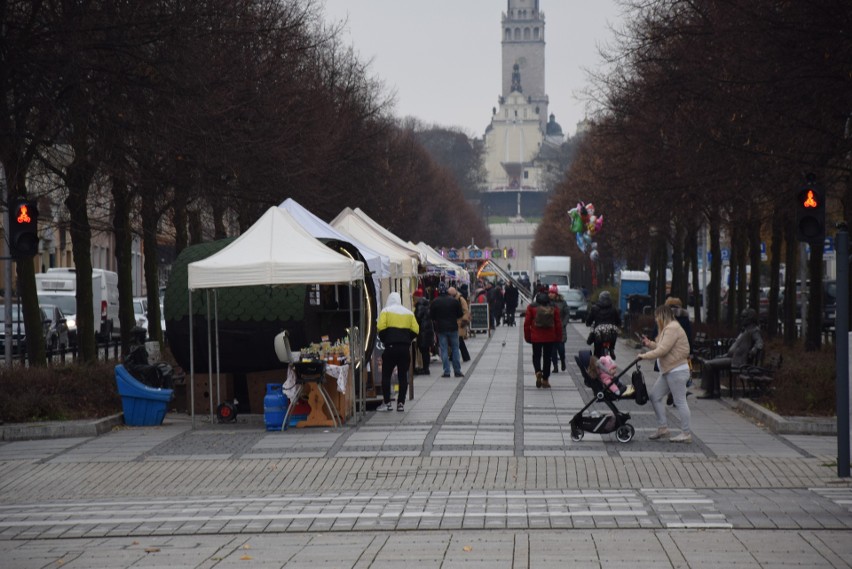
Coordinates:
column 615, row 421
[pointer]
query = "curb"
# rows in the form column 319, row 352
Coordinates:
column 60, row 429
column 826, row 426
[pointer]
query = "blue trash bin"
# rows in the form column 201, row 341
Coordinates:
column 143, row 406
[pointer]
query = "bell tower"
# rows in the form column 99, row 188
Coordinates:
column 523, row 45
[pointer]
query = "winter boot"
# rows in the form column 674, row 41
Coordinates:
column 538, row 380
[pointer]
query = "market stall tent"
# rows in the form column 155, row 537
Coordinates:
column 404, row 260
column 276, row 250
column 378, row 263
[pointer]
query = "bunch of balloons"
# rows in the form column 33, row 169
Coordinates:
column 585, row 225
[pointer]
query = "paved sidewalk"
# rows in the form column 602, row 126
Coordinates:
column 477, row 472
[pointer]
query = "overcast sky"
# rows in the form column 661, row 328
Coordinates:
column 443, row 57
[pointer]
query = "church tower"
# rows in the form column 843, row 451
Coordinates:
column 523, row 45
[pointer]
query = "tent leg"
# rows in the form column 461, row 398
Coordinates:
column 191, row 365
column 216, row 320
column 209, row 359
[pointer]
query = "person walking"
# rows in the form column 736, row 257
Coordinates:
column 426, row 336
column 747, row 345
column 445, row 312
column 605, row 320
column 542, row 327
column 671, row 350
column 397, row 329
column 463, row 323
column 511, row 296
column 558, row 352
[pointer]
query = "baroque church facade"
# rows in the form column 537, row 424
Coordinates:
column 522, row 139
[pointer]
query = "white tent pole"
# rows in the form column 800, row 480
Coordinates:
column 209, row 358
column 362, row 345
column 216, row 319
column 352, row 351
column 191, row 364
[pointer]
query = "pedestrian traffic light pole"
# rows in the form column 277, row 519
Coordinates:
column 841, row 346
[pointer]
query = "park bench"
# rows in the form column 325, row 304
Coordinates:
column 757, row 379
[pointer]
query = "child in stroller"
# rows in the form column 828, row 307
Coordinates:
column 616, row 421
column 604, row 369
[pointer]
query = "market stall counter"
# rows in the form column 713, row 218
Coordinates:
column 328, row 387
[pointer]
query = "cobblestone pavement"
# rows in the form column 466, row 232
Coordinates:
column 477, row 472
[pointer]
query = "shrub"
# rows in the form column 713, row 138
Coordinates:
column 805, row 382
column 58, row 393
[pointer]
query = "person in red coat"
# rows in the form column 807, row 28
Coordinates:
column 542, row 327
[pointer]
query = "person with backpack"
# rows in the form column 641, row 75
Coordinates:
column 559, row 303
column 542, row 327
column 605, row 321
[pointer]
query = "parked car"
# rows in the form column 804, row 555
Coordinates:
column 68, row 306
column 56, row 335
column 140, row 312
column 54, row 329
column 577, row 306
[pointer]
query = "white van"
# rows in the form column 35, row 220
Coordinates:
column 59, row 286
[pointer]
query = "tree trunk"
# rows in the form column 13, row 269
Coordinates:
column 79, row 176
column 775, row 272
column 714, row 288
column 150, row 220
column 791, row 261
column 742, row 280
column 678, row 276
column 813, row 338
column 754, row 260
column 692, row 251
column 180, row 222
column 124, row 260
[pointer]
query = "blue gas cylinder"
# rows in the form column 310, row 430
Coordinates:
column 274, row 407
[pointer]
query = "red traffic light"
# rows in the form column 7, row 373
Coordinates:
column 23, row 229
column 22, row 216
column 810, row 215
column 810, row 199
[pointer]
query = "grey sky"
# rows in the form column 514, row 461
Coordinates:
column 442, row 57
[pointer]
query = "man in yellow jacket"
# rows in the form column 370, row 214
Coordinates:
column 397, row 329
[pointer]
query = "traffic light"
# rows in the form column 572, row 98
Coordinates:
column 23, row 229
column 810, row 214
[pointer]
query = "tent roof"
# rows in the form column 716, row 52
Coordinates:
column 275, row 250
column 379, row 263
column 390, row 236
column 349, row 223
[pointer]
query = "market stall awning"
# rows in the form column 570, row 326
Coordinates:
column 349, row 223
column 275, row 250
column 390, row 236
column 377, row 262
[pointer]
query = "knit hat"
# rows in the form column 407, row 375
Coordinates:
column 442, row 288
column 554, row 289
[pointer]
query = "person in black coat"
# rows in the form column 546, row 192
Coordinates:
column 605, row 320
column 426, row 337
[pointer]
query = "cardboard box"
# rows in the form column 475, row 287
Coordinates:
column 203, row 392
column 256, row 384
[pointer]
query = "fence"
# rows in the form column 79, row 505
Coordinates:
column 106, row 351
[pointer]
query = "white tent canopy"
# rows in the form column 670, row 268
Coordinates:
column 390, row 236
column 349, row 223
column 377, row 262
column 275, row 250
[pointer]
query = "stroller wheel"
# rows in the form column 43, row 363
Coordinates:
column 576, row 434
column 625, row 433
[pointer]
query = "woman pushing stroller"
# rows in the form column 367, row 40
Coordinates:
column 671, row 350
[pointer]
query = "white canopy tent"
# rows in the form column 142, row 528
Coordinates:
column 276, row 250
column 378, row 263
column 404, row 260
